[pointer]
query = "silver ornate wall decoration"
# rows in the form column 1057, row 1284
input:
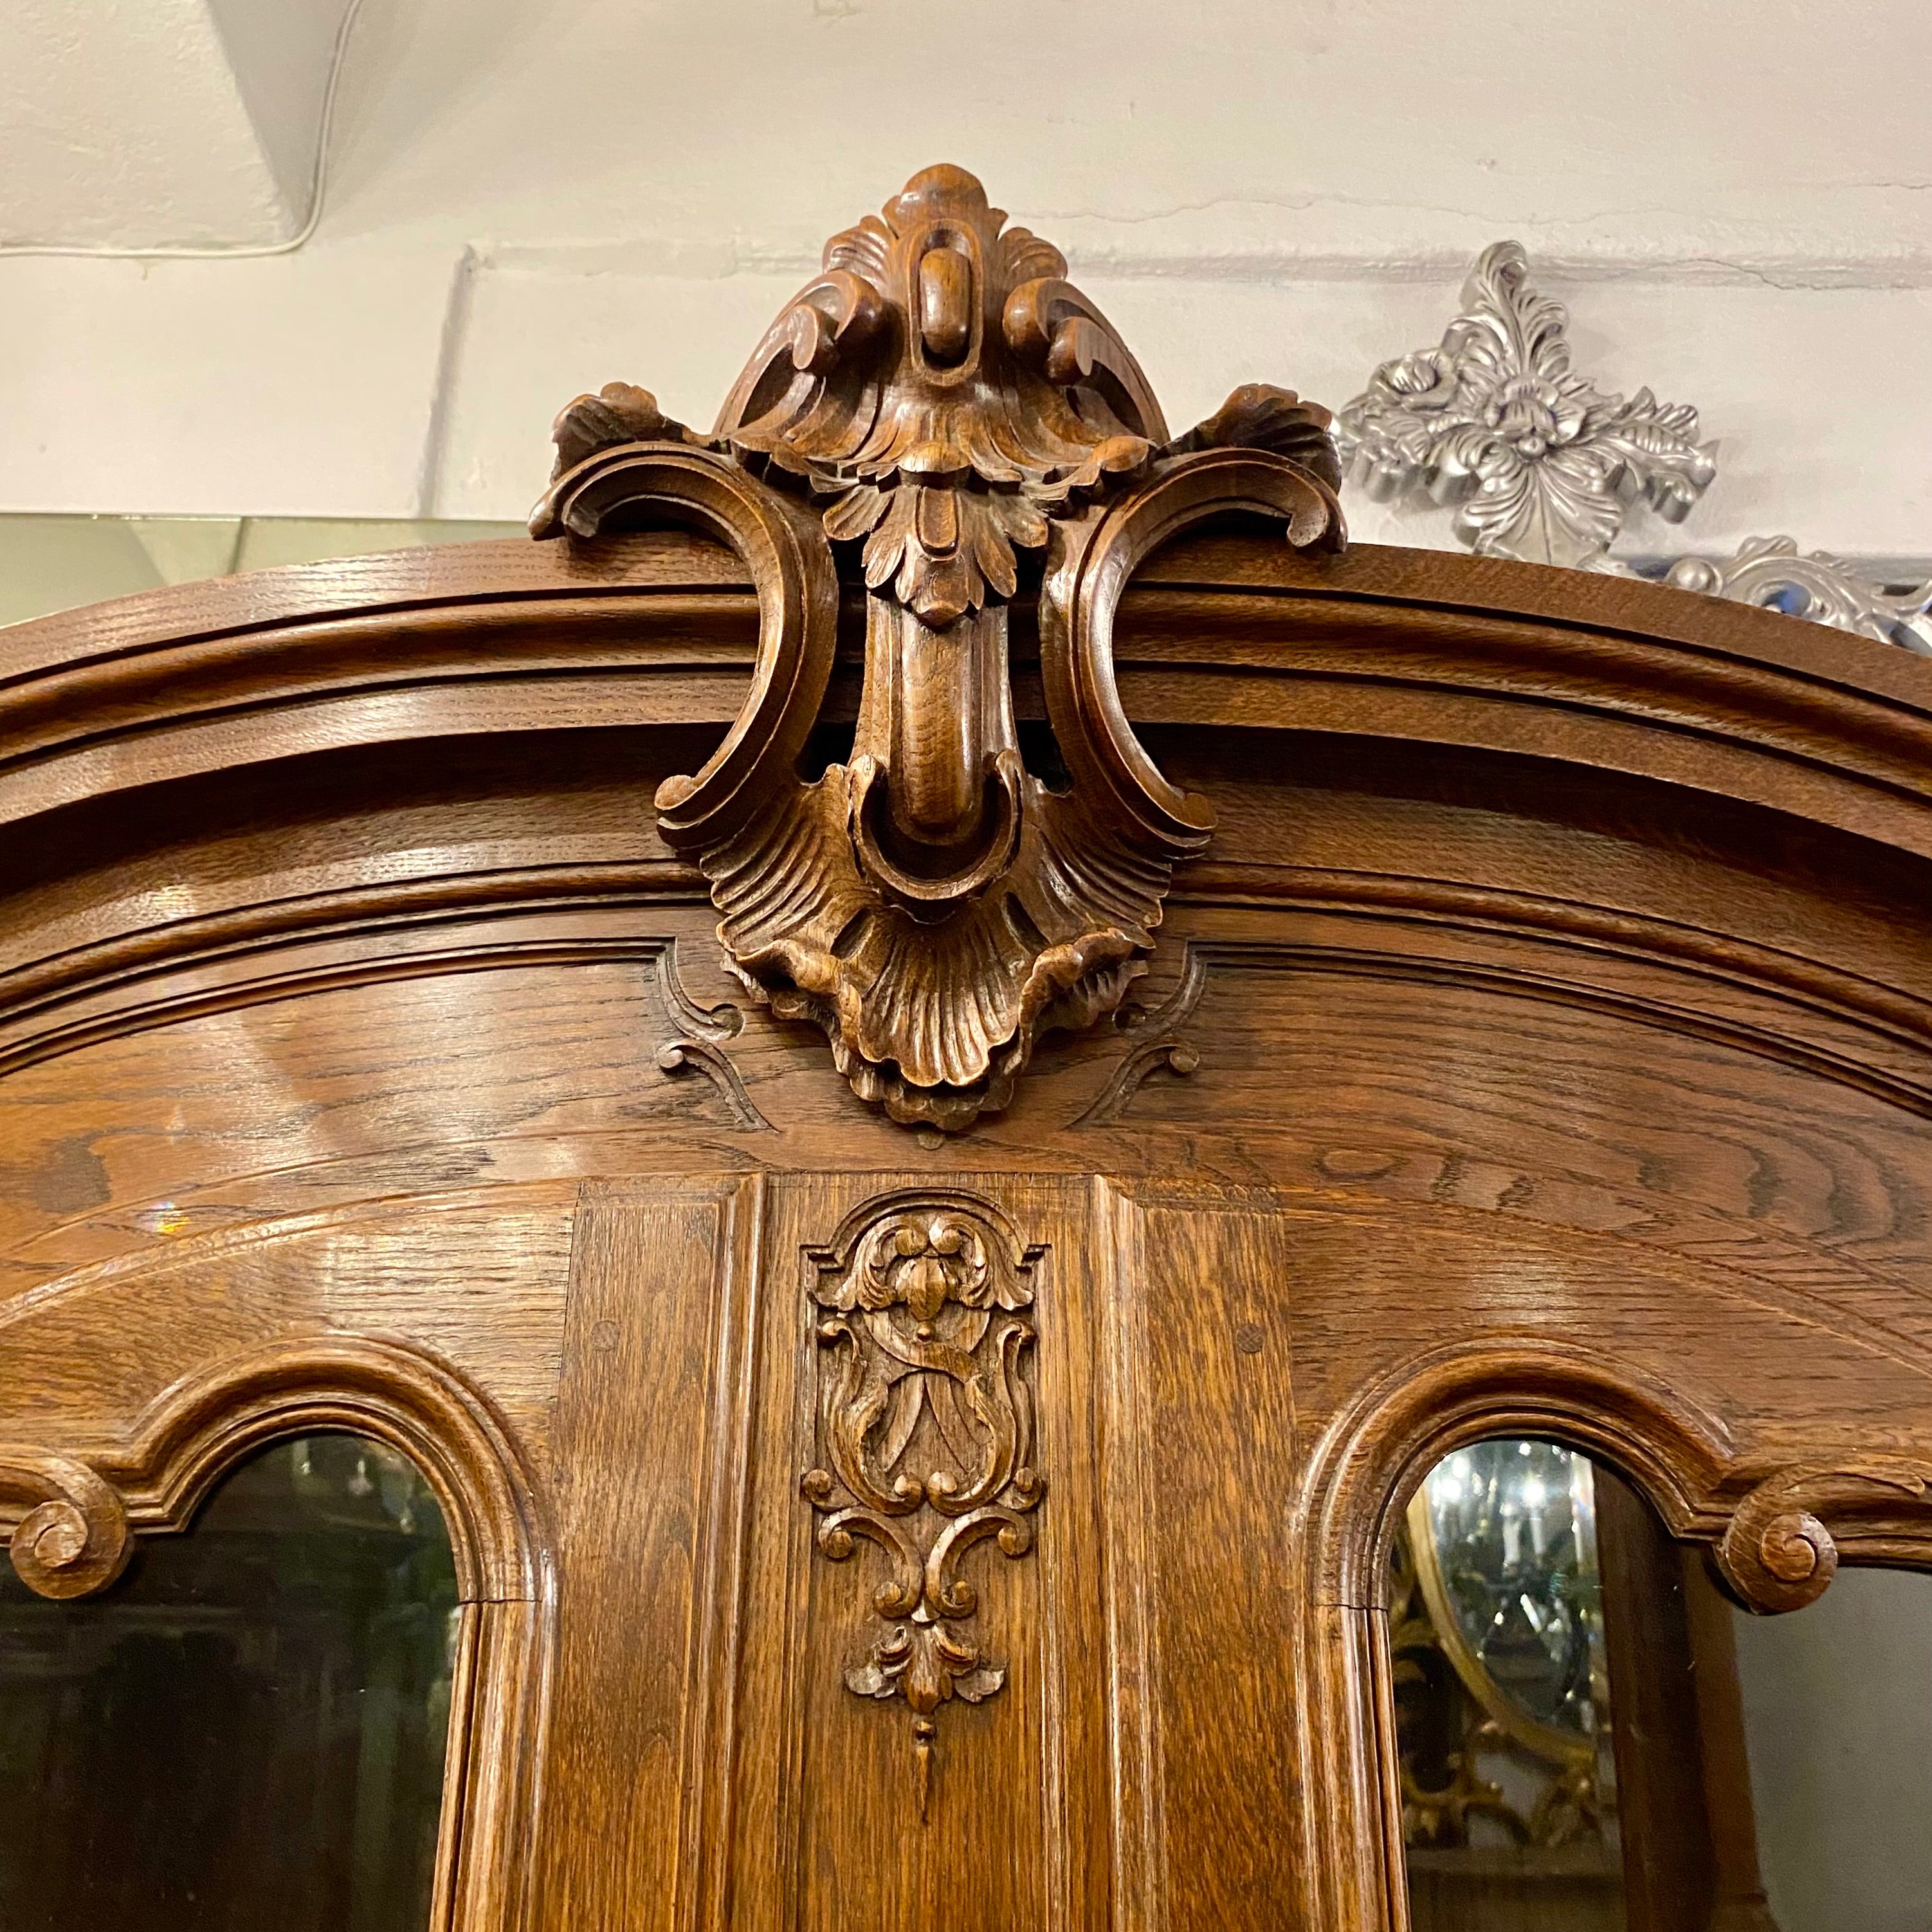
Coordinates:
column 1770, row 571
column 1541, row 465
column 1543, row 468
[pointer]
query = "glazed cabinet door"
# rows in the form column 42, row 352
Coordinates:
column 816, row 1551
column 276, row 1641
column 783, row 1552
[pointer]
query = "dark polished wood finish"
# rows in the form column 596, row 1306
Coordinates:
column 1543, row 1044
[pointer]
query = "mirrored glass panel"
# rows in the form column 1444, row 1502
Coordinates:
column 1502, row 1691
column 1590, row 1737
column 247, row 1732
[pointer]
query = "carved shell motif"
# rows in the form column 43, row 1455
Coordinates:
column 945, row 408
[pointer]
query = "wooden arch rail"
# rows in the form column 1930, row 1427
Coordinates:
column 1542, row 1041
column 77, row 1517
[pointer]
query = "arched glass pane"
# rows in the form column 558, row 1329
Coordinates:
column 248, row 1730
column 1591, row 1737
column 1503, row 1695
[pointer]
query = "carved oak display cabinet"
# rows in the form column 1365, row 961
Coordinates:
column 756, row 1215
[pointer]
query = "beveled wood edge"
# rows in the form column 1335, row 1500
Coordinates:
column 511, row 567
column 388, row 930
column 1374, row 1453
column 154, row 1478
column 384, row 581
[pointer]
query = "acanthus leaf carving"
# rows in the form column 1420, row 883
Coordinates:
column 925, row 1436
column 1771, row 572
column 1543, row 468
column 1541, row 464
column 1154, row 1040
column 945, row 407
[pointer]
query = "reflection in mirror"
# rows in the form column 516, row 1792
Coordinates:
column 1590, row 1737
column 1502, row 1684
column 248, row 1730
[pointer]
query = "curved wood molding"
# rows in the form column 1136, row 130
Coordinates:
column 75, row 1539
column 1777, row 1544
column 157, row 1476
column 1783, row 1545
column 1377, row 1451
column 395, row 1392
column 661, row 628
column 1457, row 651
column 1777, row 1541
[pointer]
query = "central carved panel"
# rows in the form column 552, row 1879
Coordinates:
column 925, row 1435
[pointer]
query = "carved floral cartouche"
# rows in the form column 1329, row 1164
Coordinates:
column 925, row 1435
column 944, row 407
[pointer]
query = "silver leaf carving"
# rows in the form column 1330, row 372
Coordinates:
column 1540, row 464
column 1772, row 572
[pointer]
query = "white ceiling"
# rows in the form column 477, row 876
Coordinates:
column 530, row 197
column 1720, row 136
column 160, row 123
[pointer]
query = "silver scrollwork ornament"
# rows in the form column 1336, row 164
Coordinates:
column 1771, row 572
column 1540, row 464
column 1542, row 468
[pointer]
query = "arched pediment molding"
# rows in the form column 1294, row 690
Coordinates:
column 1778, row 1530
column 663, row 627
column 156, row 1478
column 1372, row 1456
column 396, row 1393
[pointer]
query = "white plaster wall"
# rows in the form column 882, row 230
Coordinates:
column 1723, row 135
column 533, row 197
column 302, row 384
column 281, row 52
column 120, row 120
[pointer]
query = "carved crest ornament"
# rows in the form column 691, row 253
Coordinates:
column 942, row 416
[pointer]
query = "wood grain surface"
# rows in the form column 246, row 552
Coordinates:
column 1543, row 1043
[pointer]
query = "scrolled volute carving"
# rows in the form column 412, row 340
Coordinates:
column 1781, row 1548
column 946, row 409
column 73, row 1538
